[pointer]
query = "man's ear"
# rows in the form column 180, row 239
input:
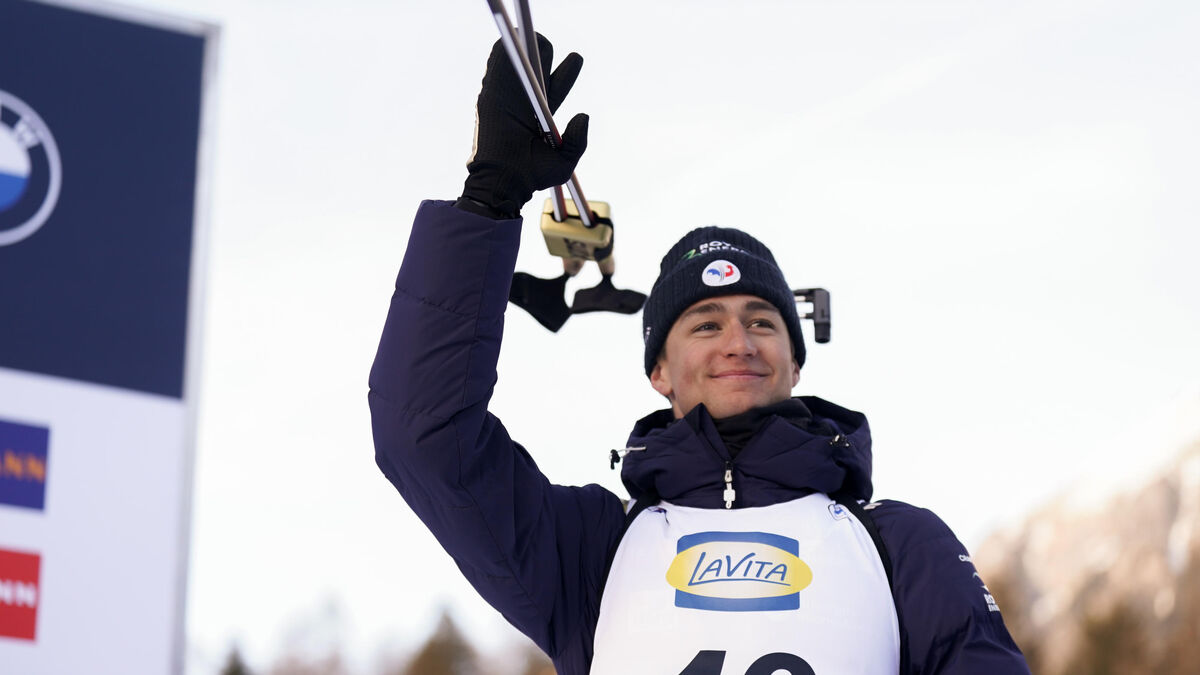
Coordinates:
column 795, row 373
column 660, row 381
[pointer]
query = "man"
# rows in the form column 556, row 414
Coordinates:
column 747, row 549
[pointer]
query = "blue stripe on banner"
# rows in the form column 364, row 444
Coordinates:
column 23, row 454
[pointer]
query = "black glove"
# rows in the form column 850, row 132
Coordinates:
column 511, row 158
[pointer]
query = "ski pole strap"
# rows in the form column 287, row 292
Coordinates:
column 605, row 252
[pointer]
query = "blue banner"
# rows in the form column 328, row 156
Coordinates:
column 99, row 133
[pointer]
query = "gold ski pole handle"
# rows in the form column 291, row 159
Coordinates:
column 570, row 238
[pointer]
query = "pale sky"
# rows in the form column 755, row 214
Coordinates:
column 1000, row 196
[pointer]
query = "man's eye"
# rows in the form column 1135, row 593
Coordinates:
column 707, row 325
column 762, row 323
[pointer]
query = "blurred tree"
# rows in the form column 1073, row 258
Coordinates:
column 446, row 652
column 1182, row 653
column 234, row 664
column 1112, row 644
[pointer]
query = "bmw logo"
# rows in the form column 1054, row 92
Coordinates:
column 30, row 170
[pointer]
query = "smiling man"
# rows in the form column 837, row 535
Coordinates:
column 750, row 544
column 718, row 325
column 733, row 354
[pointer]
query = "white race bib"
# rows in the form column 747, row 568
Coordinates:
column 794, row 588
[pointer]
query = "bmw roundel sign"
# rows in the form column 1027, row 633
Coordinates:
column 30, row 170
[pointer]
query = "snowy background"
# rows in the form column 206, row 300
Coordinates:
column 1000, row 196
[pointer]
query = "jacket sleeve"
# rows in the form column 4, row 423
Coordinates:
column 948, row 619
column 535, row 551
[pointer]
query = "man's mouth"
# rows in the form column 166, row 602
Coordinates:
column 738, row 375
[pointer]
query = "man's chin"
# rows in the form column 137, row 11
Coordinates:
column 729, row 406
column 722, row 404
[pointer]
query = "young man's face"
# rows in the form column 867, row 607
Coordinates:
column 731, row 353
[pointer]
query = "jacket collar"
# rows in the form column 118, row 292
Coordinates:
column 685, row 460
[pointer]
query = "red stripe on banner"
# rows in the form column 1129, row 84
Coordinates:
column 19, row 594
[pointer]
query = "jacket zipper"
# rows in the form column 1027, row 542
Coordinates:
column 729, row 494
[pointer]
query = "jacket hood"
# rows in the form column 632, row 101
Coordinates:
column 684, row 460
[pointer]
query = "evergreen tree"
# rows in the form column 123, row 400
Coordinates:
column 234, row 664
column 1113, row 644
column 446, row 652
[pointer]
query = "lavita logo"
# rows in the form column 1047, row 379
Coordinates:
column 30, row 170
column 738, row 572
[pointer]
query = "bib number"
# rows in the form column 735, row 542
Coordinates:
column 711, row 663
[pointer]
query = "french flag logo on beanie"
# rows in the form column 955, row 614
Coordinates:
column 721, row 273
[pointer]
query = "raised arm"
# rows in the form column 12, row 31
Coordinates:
column 535, row 551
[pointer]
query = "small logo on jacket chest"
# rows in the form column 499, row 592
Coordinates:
column 738, row 572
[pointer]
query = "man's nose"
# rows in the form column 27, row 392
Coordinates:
column 738, row 341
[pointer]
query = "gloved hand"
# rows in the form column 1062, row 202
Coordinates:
column 511, row 159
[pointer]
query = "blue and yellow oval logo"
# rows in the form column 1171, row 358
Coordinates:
column 738, row 572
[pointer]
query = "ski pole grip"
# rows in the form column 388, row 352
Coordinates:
column 570, row 238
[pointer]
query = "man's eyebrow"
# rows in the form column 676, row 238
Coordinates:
column 706, row 308
column 715, row 307
column 759, row 306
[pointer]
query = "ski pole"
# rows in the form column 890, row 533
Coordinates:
column 541, row 108
column 525, row 30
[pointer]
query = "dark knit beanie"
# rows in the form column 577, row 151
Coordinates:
column 709, row 262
